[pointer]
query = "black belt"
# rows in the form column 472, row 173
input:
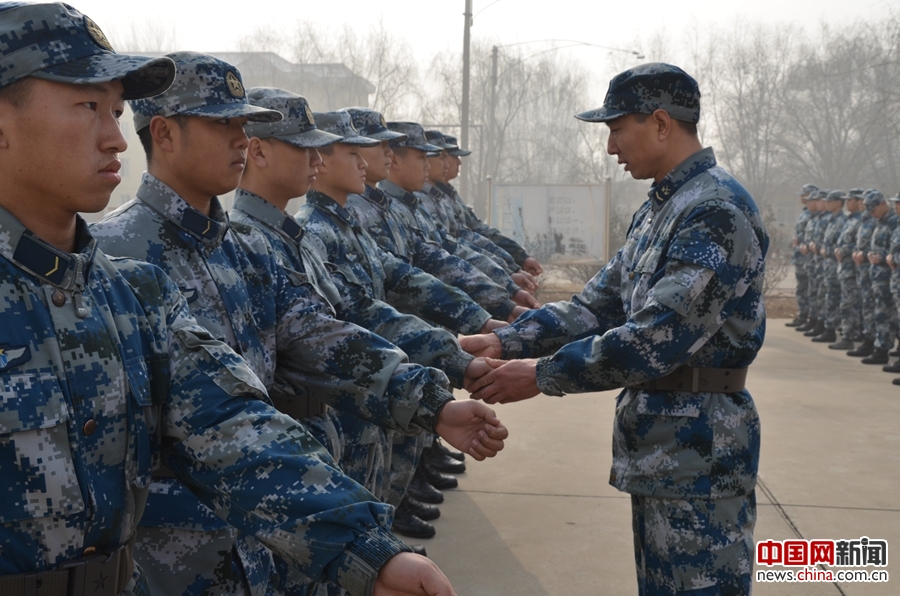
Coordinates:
column 299, row 407
column 698, row 380
column 103, row 574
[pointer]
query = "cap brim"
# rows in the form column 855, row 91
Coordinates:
column 601, row 115
column 236, row 110
column 141, row 76
column 387, row 135
column 311, row 139
column 459, row 152
column 360, row 141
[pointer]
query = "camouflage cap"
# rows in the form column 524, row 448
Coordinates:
column 341, row 124
column 435, row 137
column 371, row 124
column 837, row 195
column 820, row 195
column 808, row 189
column 857, row 193
column 299, row 125
column 456, row 150
column 204, row 86
column 415, row 137
column 895, row 199
column 56, row 42
column 873, row 199
column 646, row 88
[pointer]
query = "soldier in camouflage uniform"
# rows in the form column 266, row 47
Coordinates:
column 851, row 311
column 466, row 216
column 885, row 316
column 893, row 261
column 675, row 318
column 104, row 371
column 814, row 205
column 798, row 259
column 236, row 288
column 834, row 204
column 861, row 260
column 818, row 289
column 372, row 209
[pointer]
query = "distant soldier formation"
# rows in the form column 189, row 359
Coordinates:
column 846, row 255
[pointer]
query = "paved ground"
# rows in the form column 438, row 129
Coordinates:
column 541, row 520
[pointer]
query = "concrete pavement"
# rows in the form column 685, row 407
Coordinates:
column 541, row 519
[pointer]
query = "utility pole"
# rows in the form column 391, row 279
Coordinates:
column 464, row 125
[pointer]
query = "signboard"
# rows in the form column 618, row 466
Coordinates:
column 558, row 222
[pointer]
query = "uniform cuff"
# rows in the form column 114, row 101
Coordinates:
column 474, row 322
column 510, row 342
column 358, row 567
column 546, row 381
column 503, row 310
column 434, row 398
column 455, row 365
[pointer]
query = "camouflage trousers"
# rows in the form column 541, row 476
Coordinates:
column 832, row 285
column 814, row 283
column 694, row 547
column 851, row 302
column 868, row 300
column 820, row 304
column 885, row 311
column 405, row 455
column 802, row 290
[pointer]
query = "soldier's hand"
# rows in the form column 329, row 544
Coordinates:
column 890, row 262
column 409, row 574
column 532, row 266
column 523, row 298
column 803, row 249
column 875, row 259
column 487, row 345
column 512, row 380
column 492, row 324
column 858, row 258
column 516, row 313
column 812, row 246
column 525, row 281
column 838, row 255
column 471, row 427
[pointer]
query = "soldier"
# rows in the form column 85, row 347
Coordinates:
column 104, row 373
column 675, row 318
column 813, row 204
column 817, row 268
column 467, row 217
column 834, row 204
column 880, row 276
column 851, row 312
column 798, row 258
column 893, row 261
column 861, row 260
column 372, row 209
column 236, row 287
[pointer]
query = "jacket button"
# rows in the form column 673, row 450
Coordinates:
column 59, row 299
column 91, row 550
column 631, row 275
column 89, row 427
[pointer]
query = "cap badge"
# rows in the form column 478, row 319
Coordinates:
column 309, row 115
column 97, row 34
column 234, row 84
column 383, row 122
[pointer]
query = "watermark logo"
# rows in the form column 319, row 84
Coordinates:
column 805, row 560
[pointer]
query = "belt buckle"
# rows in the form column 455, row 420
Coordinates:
column 95, row 575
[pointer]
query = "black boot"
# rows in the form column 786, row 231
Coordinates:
column 436, row 479
column 443, row 463
column 407, row 523
column 844, row 344
column 419, row 549
column 896, row 381
column 826, row 337
column 892, row 368
column 421, row 510
column 809, row 324
column 865, row 349
column 819, row 329
column 896, row 352
column 798, row 320
column 879, row 356
column 422, row 491
column 441, row 448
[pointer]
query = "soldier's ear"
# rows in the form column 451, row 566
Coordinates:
column 163, row 132
column 258, row 152
column 663, row 124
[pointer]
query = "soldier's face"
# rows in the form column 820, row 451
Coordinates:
column 437, row 168
column 897, row 207
column 210, row 154
column 410, row 169
column 293, row 169
column 344, row 169
column 636, row 145
column 378, row 159
column 61, row 146
column 453, row 164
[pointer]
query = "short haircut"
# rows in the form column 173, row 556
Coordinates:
column 688, row 127
column 17, row 93
column 147, row 140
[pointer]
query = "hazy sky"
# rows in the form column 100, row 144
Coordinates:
column 433, row 25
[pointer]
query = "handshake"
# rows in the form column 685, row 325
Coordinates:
column 496, row 381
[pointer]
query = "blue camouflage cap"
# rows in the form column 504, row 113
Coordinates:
column 435, row 137
column 371, row 124
column 837, row 195
column 341, row 124
column 808, row 189
column 299, row 125
column 857, row 193
column 204, row 86
column 456, row 149
column 56, row 42
column 873, row 198
column 415, row 137
column 895, row 199
column 646, row 88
